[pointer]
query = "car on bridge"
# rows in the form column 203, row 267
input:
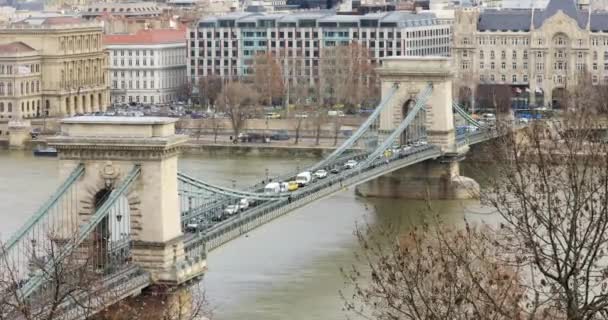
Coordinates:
column 304, row 178
column 292, row 186
column 320, row 174
column 244, row 204
column 350, row 164
column 232, row 209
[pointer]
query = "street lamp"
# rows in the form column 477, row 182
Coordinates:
column 266, row 170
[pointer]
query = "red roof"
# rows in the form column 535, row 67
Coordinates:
column 15, row 47
column 155, row 36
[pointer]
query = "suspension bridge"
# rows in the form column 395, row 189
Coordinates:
column 125, row 214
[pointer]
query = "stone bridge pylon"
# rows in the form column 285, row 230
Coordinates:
column 109, row 148
column 434, row 179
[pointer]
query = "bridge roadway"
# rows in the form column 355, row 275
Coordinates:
column 248, row 220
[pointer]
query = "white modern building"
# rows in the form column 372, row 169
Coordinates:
column 226, row 45
column 148, row 66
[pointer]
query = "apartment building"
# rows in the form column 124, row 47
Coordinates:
column 226, row 45
column 148, row 66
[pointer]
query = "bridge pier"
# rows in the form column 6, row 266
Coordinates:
column 109, row 148
column 432, row 179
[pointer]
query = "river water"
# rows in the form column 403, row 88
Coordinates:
column 287, row 269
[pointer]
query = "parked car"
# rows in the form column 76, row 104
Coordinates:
column 320, row 174
column 335, row 113
column 335, row 170
column 280, row 135
column 350, row 164
column 272, row 115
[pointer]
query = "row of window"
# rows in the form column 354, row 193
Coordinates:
column 80, row 43
column 132, row 52
column 130, row 83
column 20, row 69
column 26, row 87
column 145, row 99
column 363, row 34
column 144, row 73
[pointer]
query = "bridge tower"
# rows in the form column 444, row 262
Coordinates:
column 109, row 148
column 440, row 178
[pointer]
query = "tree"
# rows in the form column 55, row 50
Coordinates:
column 545, row 258
column 347, row 76
column 551, row 190
column 432, row 272
column 209, row 89
column 239, row 101
column 267, row 78
column 495, row 96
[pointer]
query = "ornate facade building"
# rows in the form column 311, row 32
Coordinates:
column 52, row 66
column 538, row 52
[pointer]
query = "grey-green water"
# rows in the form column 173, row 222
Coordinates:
column 287, row 269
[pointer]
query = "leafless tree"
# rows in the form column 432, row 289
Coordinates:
column 216, row 126
column 209, row 89
column 432, row 272
column 75, row 282
column 496, row 96
column 336, row 125
column 346, row 75
column 267, row 78
column 239, row 101
column 551, row 190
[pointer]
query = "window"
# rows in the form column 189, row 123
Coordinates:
column 503, row 65
column 514, row 65
column 525, row 66
column 492, row 65
column 492, row 54
column 539, row 79
column 525, row 78
column 595, row 66
column 514, row 78
column 503, row 78
column 514, row 54
column 480, row 54
column 525, row 54
column 492, row 79
column 481, row 65
column 503, row 54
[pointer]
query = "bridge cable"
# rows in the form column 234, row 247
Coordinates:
column 36, row 280
column 360, row 131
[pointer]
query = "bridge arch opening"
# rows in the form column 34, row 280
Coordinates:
column 417, row 129
column 112, row 236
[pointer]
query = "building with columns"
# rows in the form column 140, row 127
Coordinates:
column 148, row 66
column 538, row 52
column 52, row 66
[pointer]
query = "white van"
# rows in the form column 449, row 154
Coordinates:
column 304, row 178
column 275, row 187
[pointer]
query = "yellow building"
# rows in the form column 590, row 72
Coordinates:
column 69, row 73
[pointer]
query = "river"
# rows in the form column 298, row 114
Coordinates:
column 287, row 269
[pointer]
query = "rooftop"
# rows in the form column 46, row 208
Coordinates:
column 147, row 37
column 397, row 18
column 522, row 19
column 15, row 47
